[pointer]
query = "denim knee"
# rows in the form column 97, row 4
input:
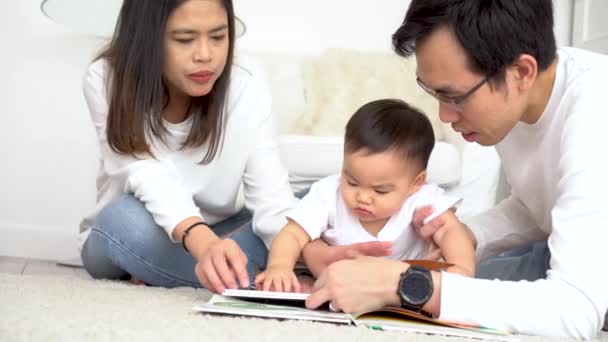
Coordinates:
column 126, row 222
column 114, row 223
column 96, row 259
column 125, row 215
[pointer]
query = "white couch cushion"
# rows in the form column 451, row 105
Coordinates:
column 314, row 96
column 309, row 158
column 340, row 81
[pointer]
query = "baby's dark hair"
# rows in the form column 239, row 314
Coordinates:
column 387, row 124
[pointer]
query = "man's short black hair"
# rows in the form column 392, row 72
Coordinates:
column 390, row 124
column 494, row 33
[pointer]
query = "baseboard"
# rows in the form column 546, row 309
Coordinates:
column 38, row 243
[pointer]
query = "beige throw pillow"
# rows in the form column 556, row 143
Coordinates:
column 340, row 81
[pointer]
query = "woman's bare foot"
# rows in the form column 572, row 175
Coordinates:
column 136, row 281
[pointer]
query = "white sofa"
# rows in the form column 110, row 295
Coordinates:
column 313, row 97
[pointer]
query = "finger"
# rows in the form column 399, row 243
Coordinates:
column 259, row 278
column 267, row 283
column 277, row 285
column 225, row 273
column 295, row 283
column 333, row 308
column 427, row 231
column 290, row 284
column 433, row 252
column 432, row 247
column 374, row 248
column 317, row 298
column 420, row 214
column 216, row 283
column 238, row 262
column 435, row 255
column 352, row 253
column 282, row 282
column 272, row 285
column 202, row 278
column 320, row 282
column 286, row 283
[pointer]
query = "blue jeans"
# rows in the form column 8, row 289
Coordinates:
column 527, row 263
column 126, row 241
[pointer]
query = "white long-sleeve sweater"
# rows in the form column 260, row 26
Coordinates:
column 247, row 172
column 558, row 171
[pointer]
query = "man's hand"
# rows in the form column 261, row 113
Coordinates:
column 318, row 255
column 426, row 231
column 222, row 265
column 278, row 278
column 358, row 284
column 371, row 248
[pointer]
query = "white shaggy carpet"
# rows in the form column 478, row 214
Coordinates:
column 71, row 308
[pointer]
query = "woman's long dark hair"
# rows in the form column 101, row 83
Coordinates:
column 137, row 91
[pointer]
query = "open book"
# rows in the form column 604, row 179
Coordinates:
column 284, row 305
column 386, row 319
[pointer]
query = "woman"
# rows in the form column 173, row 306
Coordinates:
column 187, row 146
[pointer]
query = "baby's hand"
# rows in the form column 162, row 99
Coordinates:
column 277, row 278
column 461, row 270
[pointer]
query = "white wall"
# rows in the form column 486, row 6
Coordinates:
column 563, row 21
column 589, row 25
column 313, row 25
column 47, row 146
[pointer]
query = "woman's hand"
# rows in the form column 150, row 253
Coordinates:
column 278, row 278
column 318, row 255
column 222, row 265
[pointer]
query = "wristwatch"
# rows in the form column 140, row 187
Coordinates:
column 415, row 287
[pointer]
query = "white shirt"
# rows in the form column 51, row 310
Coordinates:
column 323, row 213
column 558, row 171
column 247, row 172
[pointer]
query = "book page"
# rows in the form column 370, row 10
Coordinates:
column 393, row 315
column 288, row 296
column 225, row 305
column 388, row 319
column 396, row 324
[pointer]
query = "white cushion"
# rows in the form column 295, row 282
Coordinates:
column 313, row 97
column 310, row 158
column 340, row 81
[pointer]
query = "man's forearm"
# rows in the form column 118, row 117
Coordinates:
column 433, row 306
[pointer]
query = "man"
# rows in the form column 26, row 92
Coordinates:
column 499, row 79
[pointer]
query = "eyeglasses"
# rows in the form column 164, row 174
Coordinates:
column 452, row 100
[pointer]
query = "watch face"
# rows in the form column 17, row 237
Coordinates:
column 416, row 288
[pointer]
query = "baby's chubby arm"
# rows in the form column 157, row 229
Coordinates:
column 284, row 252
column 456, row 244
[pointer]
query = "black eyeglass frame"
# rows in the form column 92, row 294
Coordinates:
column 453, row 100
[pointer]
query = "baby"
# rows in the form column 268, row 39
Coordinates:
column 387, row 146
